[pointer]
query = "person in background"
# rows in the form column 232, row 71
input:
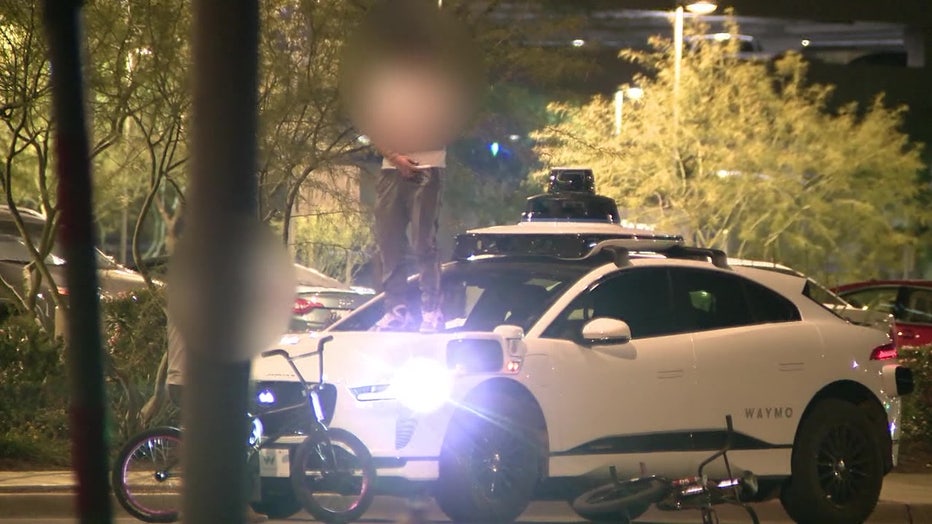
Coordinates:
column 408, row 194
column 174, row 383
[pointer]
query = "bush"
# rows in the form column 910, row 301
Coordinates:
column 135, row 338
column 34, row 394
column 917, row 407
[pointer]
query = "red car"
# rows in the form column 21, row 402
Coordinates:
column 910, row 302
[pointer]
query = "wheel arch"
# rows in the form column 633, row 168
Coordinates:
column 501, row 387
column 862, row 397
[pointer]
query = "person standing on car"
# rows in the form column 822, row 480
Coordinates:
column 408, row 194
column 410, row 79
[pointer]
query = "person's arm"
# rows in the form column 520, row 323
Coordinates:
column 407, row 167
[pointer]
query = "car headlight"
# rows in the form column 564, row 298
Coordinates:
column 422, row 385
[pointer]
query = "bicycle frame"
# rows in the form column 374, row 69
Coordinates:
column 311, row 389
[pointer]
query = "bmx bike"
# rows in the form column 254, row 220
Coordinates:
column 331, row 470
column 625, row 500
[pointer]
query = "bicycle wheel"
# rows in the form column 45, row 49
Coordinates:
column 621, row 501
column 333, row 476
column 147, row 475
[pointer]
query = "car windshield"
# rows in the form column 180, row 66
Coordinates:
column 480, row 295
column 13, row 249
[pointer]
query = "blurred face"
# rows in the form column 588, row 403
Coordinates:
column 409, row 79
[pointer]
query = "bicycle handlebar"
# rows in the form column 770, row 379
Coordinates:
column 290, row 359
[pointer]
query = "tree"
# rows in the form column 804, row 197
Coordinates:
column 141, row 102
column 25, row 108
column 750, row 157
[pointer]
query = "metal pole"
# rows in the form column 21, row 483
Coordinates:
column 222, row 197
column 83, row 348
column 677, row 60
column 619, row 102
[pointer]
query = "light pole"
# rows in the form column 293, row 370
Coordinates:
column 702, row 7
column 633, row 93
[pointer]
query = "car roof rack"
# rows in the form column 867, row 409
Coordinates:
column 567, row 246
column 580, row 246
column 620, row 253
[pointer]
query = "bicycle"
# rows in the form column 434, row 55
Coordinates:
column 625, row 500
column 331, row 472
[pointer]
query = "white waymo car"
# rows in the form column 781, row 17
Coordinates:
column 573, row 347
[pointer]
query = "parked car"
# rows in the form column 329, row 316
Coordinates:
column 316, row 307
column 571, row 348
column 17, row 266
column 909, row 301
column 319, row 301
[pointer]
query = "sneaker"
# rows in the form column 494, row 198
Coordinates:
column 432, row 321
column 396, row 319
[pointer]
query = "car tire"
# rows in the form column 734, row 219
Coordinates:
column 490, row 461
column 837, row 466
column 278, row 499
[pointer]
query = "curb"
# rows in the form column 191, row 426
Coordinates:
column 58, row 502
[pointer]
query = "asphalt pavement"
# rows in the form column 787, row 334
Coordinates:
column 905, row 498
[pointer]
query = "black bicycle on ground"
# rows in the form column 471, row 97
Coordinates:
column 622, row 501
column 331, row 470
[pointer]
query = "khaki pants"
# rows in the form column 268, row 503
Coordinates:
column 401, row 203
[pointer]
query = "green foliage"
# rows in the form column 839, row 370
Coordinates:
column 749, row 157
column 34, row 394
column 135, row 340
column 917, row 407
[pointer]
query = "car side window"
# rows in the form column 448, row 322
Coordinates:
column 768, row 306
column 640, row 297
column 881, row 299
column 718, row 300
column 710, row 299
column 917, row 306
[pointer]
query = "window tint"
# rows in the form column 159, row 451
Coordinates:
column 716, row 300
column 640, row 297
column 917, row 306
column 767, row 306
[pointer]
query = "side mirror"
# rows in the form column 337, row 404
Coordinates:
column 606, row 331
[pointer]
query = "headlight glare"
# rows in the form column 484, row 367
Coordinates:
column 422, row 385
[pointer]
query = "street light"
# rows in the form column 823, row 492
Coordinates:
column 633, row 93
column 701, row 7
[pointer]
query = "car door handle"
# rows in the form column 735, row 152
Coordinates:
column 907, row 334
column 790, row 366
column 670, row 373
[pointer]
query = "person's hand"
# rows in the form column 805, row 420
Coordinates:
column 407, row 168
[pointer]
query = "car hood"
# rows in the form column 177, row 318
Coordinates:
column 354, row 359
column 117, row 281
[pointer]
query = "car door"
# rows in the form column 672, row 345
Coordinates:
column 614, row 398
column 753, row 356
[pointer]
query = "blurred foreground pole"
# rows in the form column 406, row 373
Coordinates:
column 222, row 199
column 83, row 350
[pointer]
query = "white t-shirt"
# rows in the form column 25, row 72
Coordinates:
column 437, row 158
